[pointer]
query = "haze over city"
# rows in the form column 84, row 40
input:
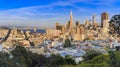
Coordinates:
column 45, row 13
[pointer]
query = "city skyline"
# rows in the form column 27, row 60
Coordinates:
column 46, row 13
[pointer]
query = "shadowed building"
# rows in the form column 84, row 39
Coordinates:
column 105, row 23
column 104, row 16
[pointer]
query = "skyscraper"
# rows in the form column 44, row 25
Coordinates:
column 104, row 16
column 93, row 20
column 71, row 20
column 87, row 23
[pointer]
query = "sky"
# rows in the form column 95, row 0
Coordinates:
column 45, row 13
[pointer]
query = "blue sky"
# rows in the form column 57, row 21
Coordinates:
column 45, row 13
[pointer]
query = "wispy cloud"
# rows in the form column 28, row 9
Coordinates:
column 35, row 15
column 32, row 16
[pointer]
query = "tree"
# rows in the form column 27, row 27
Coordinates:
column 55, row 61
column 101, row 59
column 67, row 43
column 90, row 55
column 69, row 60
column 7, row 61
column 114, row 24
column 114, row 59
column 59, row 61
column 38, row 60
column 22, row 56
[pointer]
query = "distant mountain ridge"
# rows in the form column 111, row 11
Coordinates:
column 19, row 27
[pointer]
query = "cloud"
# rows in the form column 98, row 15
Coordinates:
column 31, row 16
column 47, row 15
column 32, row 10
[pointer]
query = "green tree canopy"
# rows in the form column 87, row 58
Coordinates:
column 67, row 43
column 115, row 25
column 90, row 55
